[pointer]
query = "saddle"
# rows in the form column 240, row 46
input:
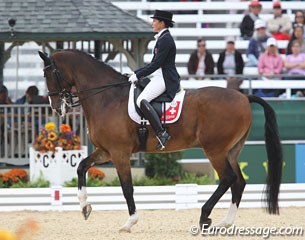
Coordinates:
column 157, row 103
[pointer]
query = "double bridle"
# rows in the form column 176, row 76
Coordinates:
column 68, row 98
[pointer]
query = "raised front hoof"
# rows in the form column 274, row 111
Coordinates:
column 86, row 211
column 205, row 223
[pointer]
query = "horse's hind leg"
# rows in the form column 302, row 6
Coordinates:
column 237, row 187
column 226, row 178
column 98, row 156
column 122, row 165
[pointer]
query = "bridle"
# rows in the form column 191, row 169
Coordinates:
column 65, row 95
column 69, row 99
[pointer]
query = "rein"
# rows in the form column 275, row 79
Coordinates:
column 68, row 97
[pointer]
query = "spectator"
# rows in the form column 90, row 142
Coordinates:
column 230, row 62
column 257, row 43
column 270, row 64
column 298, row 32
column 280, row 25
column 295, row 64
column 201, row 61
column 29, row 94
column 247, row 24
column 4, row 99
column 299, row 18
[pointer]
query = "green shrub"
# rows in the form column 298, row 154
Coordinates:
column 1, row 184
column 145, row 181
column 163, row 165
column 91, row 182
column 193, row 178
column 39, row 183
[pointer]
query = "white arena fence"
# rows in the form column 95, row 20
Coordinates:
column 181, row 196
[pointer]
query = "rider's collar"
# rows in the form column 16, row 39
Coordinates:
column 159, row 33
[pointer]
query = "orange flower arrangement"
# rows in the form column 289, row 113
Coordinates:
column 48, row 139
column 96, row 173
column 13, row 176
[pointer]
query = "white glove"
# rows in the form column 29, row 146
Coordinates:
column 133, row 78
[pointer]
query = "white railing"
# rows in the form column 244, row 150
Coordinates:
column 181, row 196
column 201, row 6
column 20, row 125
column 204, row 12
column 288, row 85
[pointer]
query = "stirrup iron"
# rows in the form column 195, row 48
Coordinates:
column 163, row 138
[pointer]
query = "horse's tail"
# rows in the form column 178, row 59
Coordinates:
column 274, row 153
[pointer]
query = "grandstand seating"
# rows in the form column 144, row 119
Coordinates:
column 189, row 18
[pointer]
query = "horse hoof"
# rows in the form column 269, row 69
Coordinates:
column 86, row 211
column 205, row 223
column 132, row 220
column 223, row 224
column 125, row 229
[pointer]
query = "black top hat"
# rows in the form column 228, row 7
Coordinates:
column 164, row 16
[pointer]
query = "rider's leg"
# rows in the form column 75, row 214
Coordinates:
column 154, row 89
column 154, row 121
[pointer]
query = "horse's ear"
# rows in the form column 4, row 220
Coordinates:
column 45, row 58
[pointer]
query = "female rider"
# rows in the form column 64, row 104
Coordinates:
column 165, row 76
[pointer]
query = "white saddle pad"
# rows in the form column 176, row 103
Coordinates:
column 173, row 109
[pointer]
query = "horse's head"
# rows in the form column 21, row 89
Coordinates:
column 59, row 89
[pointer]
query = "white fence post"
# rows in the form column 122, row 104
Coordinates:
column 186, row 196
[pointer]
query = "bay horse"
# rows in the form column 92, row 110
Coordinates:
column 218, row 120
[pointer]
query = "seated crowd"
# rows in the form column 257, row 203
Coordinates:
column 262, row 52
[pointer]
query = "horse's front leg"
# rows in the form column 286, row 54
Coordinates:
column 98, row 156
column 124, row 173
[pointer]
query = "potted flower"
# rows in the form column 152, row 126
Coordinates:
column 56, row 154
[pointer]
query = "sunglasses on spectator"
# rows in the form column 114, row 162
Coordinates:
column 277, row 7
column 256, row 7
column 201, row 45
column 298, row 25
column 300, row 16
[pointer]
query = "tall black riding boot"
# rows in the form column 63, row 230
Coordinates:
column 153, row 118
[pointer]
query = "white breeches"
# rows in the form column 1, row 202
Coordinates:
column 154, row 88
